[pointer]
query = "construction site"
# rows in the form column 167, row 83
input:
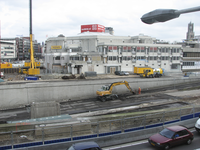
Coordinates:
column 47, row 109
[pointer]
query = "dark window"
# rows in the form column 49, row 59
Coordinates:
column 181, row 133
column 138, row 49
column 142, row 49
column 167, row 133
column 191, row 54
column 57, row 58
column 174, row 66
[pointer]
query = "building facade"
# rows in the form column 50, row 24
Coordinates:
column 19, row 49
column 191, row 51
column 105, row 53
column 8, row 50
column 23, row 48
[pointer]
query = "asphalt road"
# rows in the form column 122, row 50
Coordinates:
column 144, row 145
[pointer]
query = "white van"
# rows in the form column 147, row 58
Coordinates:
column 197, row 125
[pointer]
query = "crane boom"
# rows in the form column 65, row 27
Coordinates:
column 120, row 83
column 32, row 70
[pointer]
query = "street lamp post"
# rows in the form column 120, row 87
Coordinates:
column 162, row 15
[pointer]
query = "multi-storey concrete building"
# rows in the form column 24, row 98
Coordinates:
column 23, row 47
column 20, row 49
column 105, row 53
column 8, row 50
column 191, row 51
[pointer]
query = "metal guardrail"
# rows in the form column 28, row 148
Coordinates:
column 42, row 135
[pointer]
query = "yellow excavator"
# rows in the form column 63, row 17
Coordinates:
column 105, row 92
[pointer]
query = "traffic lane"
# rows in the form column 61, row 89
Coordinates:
column 146, row 146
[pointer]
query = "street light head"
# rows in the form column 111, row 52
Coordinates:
column 159, row 15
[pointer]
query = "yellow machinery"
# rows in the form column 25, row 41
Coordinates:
column 6, row 65
column 152, row 73
column 106, row 91
column 30, row 67
column 140, row 70
column 26, row 67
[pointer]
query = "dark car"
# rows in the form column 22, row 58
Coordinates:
column 171, row 136
column 119, row 73
column 85, row 146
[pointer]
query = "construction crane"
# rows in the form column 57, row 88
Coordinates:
column 105, row 92
column 32, row 70
column 31, row 66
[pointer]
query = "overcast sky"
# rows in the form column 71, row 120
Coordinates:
column 54, row 17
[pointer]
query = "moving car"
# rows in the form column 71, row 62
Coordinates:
column 171, row 136
column 85, row 146
column 197, row 125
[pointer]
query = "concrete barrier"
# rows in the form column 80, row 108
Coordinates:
column 18, row 95
column 117, row 139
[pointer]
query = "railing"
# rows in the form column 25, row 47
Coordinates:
column 44, row 134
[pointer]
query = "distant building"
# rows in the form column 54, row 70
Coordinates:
column 23, row 48
column 190, row 33
column 19, row 49
column 109, row 30
column 191, row 51
column 105, row 53
column 8, row 50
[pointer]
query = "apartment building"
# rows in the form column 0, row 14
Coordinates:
column 8, row 50
column 105, row 53
column 23, row 48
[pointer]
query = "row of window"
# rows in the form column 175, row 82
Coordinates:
column 126, row 58
column 188, row 64
column 7, row 47
column 113, row 58
column 7, row 52
column 191, row 54
column 143, row 49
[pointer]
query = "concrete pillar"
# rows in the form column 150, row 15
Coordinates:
column 104, row 50
column 83, row 58
column 44, row 109
column 104, row 60
column 73, row 70
column 119, row 50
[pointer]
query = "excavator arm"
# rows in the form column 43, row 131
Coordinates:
column 120, row 83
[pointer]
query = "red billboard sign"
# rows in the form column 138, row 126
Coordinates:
column 92, row 28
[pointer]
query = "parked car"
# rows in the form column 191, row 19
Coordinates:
column 85, row 146
column 119, row 73
column 197, row 125
column 125, row 73
column 171, row 136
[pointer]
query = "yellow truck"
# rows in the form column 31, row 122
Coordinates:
column 152, row 73
column 140, row 70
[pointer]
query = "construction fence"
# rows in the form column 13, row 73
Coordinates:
column 52, row 133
